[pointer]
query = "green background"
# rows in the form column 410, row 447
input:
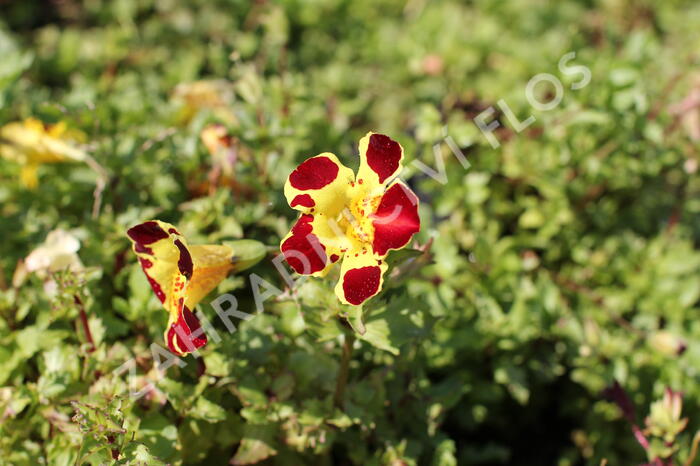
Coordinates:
column 555, row 260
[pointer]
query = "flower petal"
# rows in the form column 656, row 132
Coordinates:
column 166, row 261
column 179, row 334
column 212, row 263
column 319, row 184
column 314, row 243
column 380, row 160
column 33, row 142
column 58, row 252
column 396, row 219
column 361, row 277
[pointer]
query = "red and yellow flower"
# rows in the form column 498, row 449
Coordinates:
column 181, row 275
column 358, row 219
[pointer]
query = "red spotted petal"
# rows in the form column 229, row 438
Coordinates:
column 303, row 250
column 361, row 284
column 314, row 173
column 303, row 200
column 361, row 276
column 145, row 234
column 380, row 159
column 383, row 155
column 396, row 219
column 319, row 185
column 186, row 324
column 165, row 259
column 184, row 263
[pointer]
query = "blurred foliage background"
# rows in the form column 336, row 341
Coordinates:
column 560, row 262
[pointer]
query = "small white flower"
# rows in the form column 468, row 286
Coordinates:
column 58, row 252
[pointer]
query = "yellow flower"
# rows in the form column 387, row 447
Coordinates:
column 215, row 95
column 181, row 275
column 32, row 143
column 359, row 219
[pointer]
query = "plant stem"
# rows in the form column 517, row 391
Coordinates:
column 84, row 320
column 343, row 370
column 693, row 450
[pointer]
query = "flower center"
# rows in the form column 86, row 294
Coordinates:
column 358, row 216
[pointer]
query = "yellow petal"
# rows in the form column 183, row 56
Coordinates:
column 166, row 261
column 181, row 275
column 361, row 276
column 28, row 176
column 214, row 95
column 314, row 244
column 212, row 263
column 319, row 184
column 380, row 161
column 32, row 142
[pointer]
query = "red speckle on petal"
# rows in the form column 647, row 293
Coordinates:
column 360, row 181
column 174, row 231
column 314, row 173
column 303, row 200
column 145, row 263
column 334, row 257
column 184, row 264
column 383, row 156
column 156, row 288
column 188, row 324
column 396, row 219
column 361, row 284
column 303, row 250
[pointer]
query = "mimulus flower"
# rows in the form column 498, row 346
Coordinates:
column 32, row 143
column 58, row 252
column 181, row 275
column 215, row 95
column 356, row 219
column 221, row 145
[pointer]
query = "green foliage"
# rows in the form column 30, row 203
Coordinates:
column 556, row 264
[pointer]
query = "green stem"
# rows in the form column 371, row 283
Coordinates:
column 343, row 370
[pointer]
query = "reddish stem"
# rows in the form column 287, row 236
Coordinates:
column 640, row 437
column 84, row 320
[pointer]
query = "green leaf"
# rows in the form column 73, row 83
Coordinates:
column 393, row 325
column 207, row 411
column 257, row 444
column 137, row 453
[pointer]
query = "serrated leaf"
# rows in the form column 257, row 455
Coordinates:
column 258, row 444
column 207, row 411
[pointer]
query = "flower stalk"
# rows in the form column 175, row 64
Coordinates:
column 344, row 370
column 85, row 323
